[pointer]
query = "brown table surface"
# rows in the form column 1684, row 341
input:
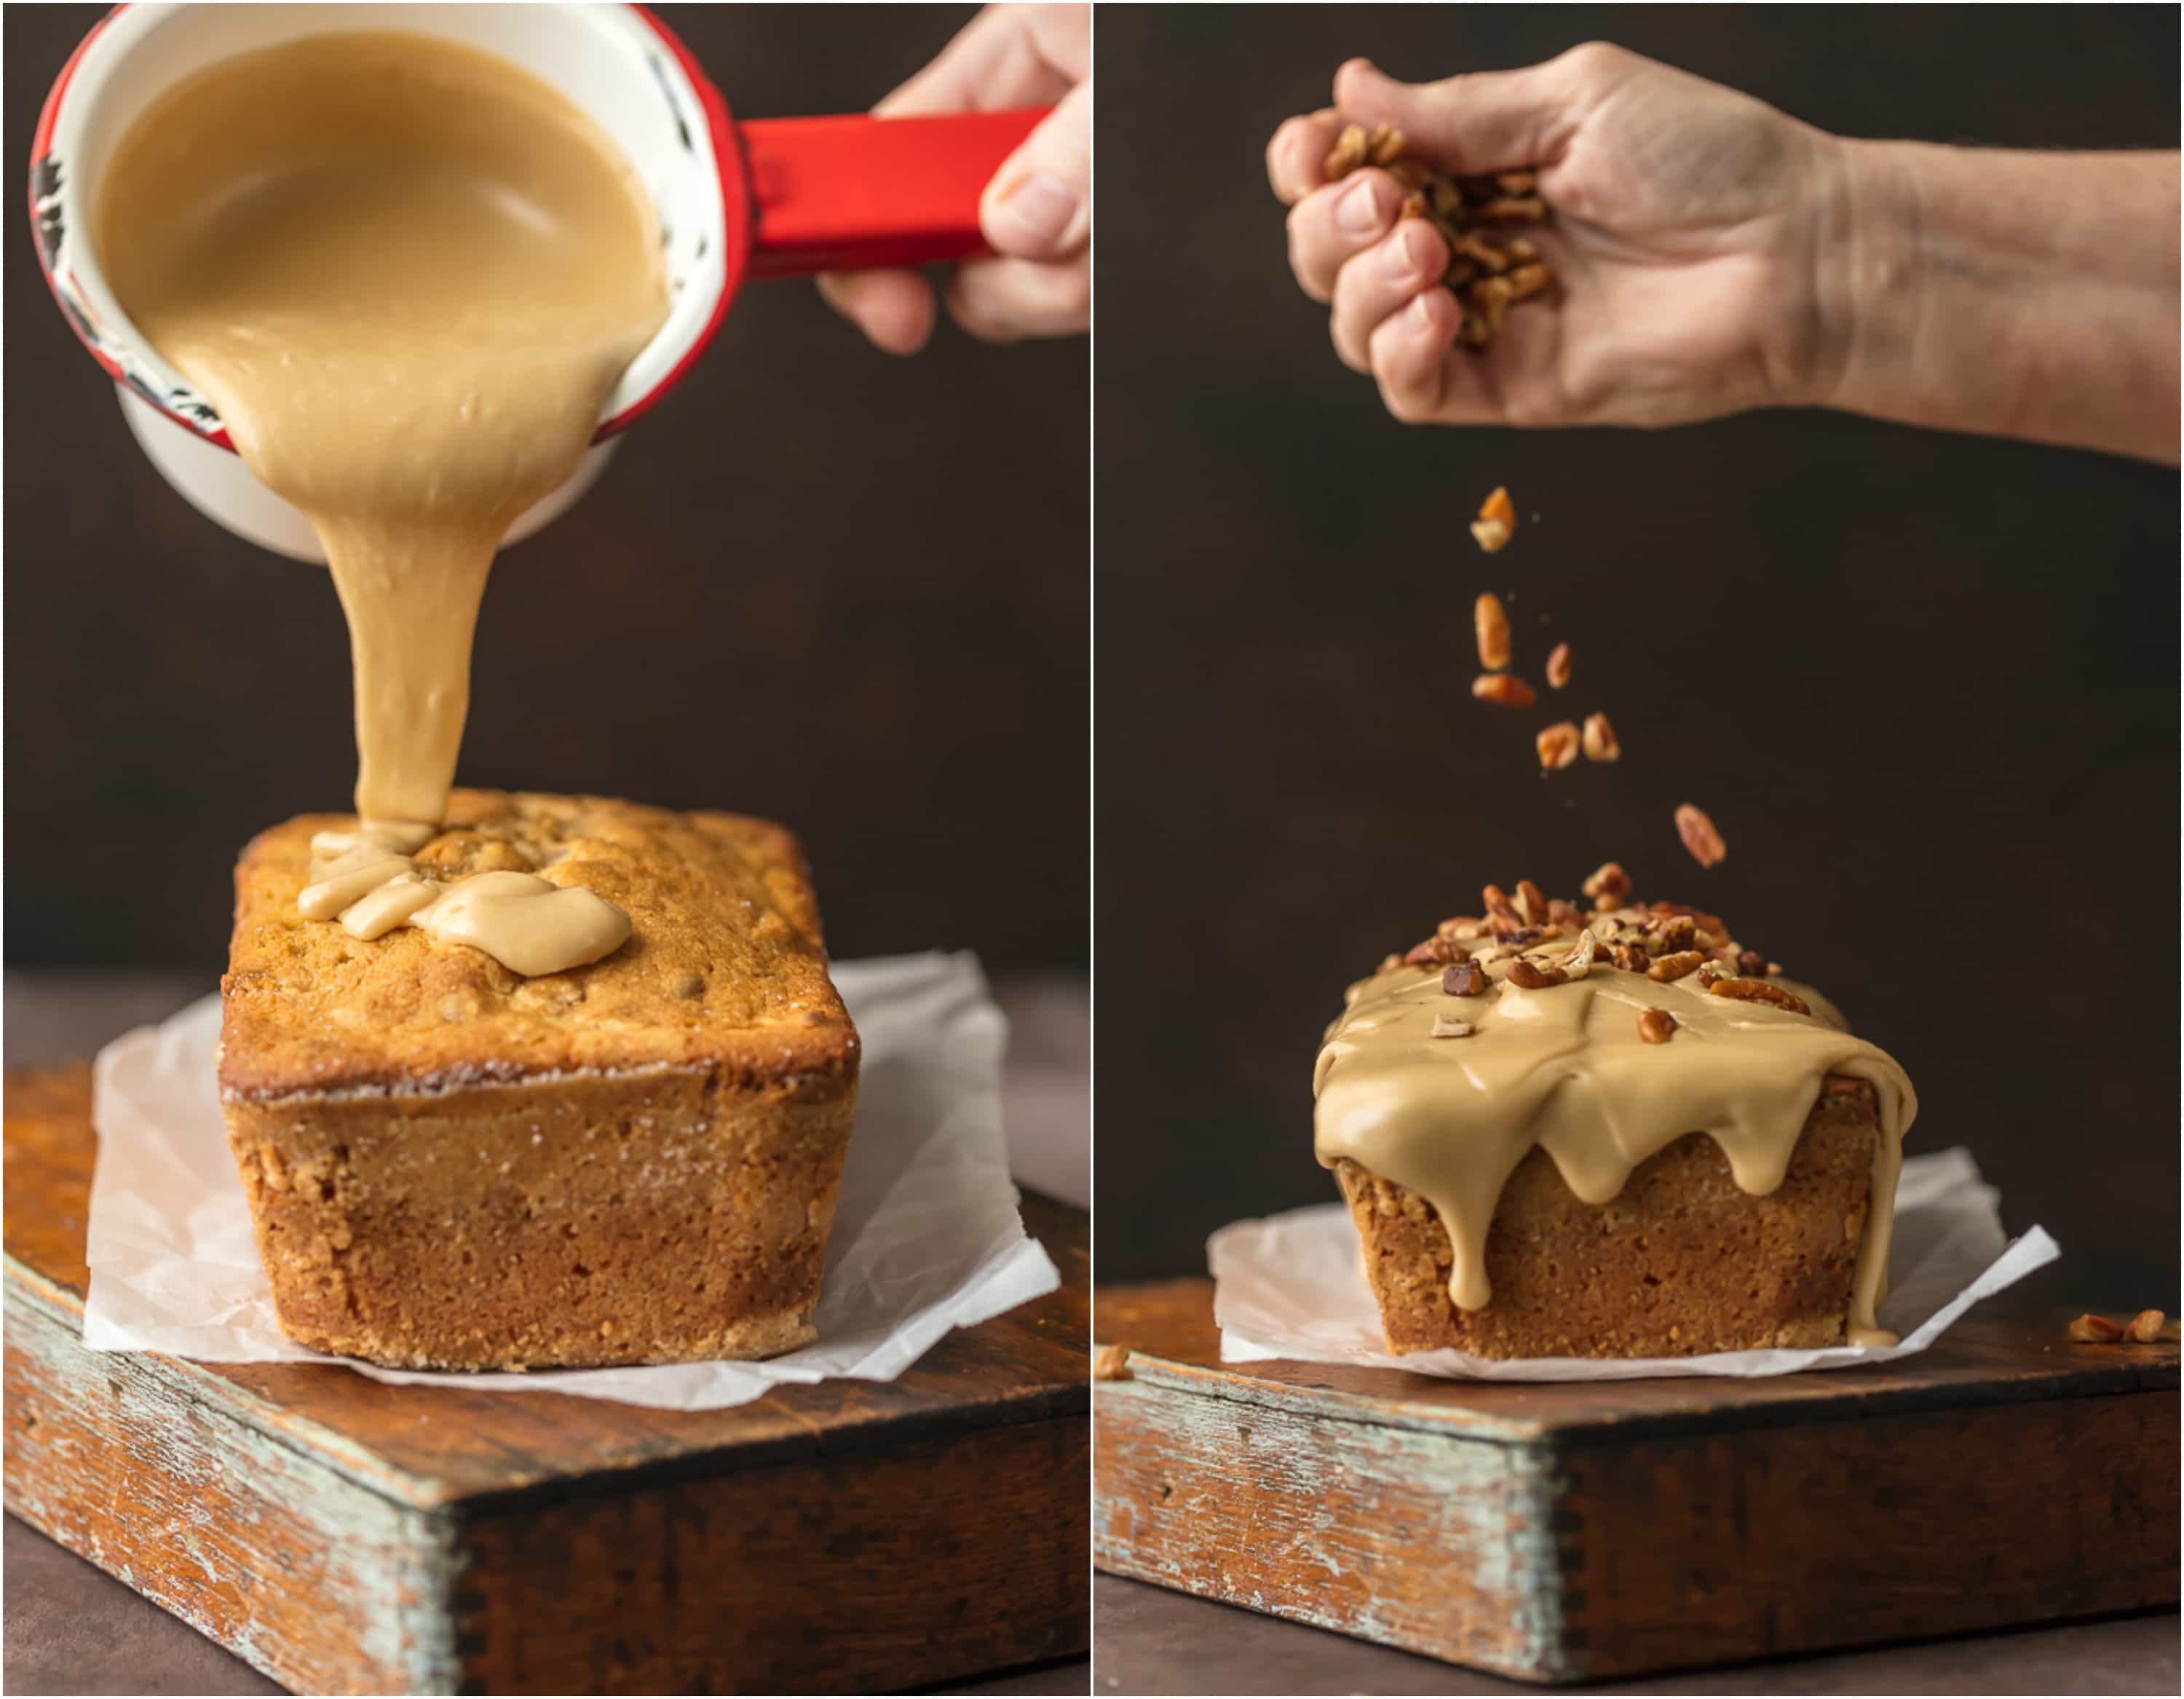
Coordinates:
column 71, row 1628
column 1147, row 1640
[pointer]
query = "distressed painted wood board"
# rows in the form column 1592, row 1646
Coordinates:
column 348, row 1537
column 1584, row 1531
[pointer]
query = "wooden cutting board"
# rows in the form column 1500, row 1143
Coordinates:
column 348, row 1537
column 1576, row 1532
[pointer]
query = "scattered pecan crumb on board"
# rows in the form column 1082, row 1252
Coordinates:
column 2095, row 1330
column 1112, row 1362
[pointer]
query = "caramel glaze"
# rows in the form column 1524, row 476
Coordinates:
column 408, row 274
column 1564, row 1066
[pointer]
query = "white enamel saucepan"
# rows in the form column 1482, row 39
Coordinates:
column 769, row 198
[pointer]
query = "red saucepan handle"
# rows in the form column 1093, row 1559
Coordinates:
column 844, row 194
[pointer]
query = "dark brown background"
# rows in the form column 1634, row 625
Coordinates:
column 1927, row 684
column 819, row 584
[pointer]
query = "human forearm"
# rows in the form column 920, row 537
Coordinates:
column 2019, row 294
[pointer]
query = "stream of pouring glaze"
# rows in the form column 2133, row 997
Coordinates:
column 407, row 273
column 1563, row 1068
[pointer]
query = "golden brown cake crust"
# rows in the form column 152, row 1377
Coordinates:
column 725, row 969
column 1681, row 1263
column 637, row 1161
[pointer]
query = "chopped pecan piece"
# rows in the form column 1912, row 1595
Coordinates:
column 1351, row 149
column 2095, row 1330
column 1678, row 933
column 2145, row 1327
column 1532, row 976
column 1492, row 626
column 1433, row 950
column 1559, row 667
column 1112, row 1362
column 1386, row 146
column 1674, row 967
column 1516, row 208
column 1631, row 958
column 1579, row 962
column 1758, row 991
column 1600, row 740
column 1500, row 910
column 1497, row 514
column 1656, row 1026
column 1564, row 914
column 1526, row 281
column 1752, row 964
column 1515, row 182
column 1608, row 879
column 1505, row 688
column 1531, row 904
column 1699, row 835
column 1452, row 1027
column 1558, row 745
column 1466, row 979
column 1711, row 973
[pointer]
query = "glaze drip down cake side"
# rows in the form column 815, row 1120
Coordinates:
column 1609, row 1131
column 452, row 1165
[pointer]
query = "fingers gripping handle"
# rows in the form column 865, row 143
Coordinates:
column 846, row 194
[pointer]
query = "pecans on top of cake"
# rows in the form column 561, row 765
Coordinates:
column 1548, row 941
column 1486, row 276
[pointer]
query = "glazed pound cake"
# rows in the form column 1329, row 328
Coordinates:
column 1611, row 1131
column 453, row 1165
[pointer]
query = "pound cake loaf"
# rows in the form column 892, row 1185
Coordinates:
column 1612, row 1132
column 451, row 1165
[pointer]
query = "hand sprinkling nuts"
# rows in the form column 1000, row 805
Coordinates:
column 1492, row 626
column 1699, row 836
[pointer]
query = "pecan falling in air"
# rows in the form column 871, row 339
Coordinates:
column 1492, row 626
column 1558, row 666
column 1496, row 525
column 1505, row 688
column 1674, row 967
column 1699, row 835
column 1557, row 744
column 1600, row 740
column 2095, row 1330
column 1656, row 1026
column 1759, row 991
column 1466, row 979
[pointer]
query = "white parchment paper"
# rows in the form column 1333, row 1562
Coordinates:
column 1293, row 1285
column 927, row 1237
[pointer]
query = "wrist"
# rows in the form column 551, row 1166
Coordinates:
column 1868, row 282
